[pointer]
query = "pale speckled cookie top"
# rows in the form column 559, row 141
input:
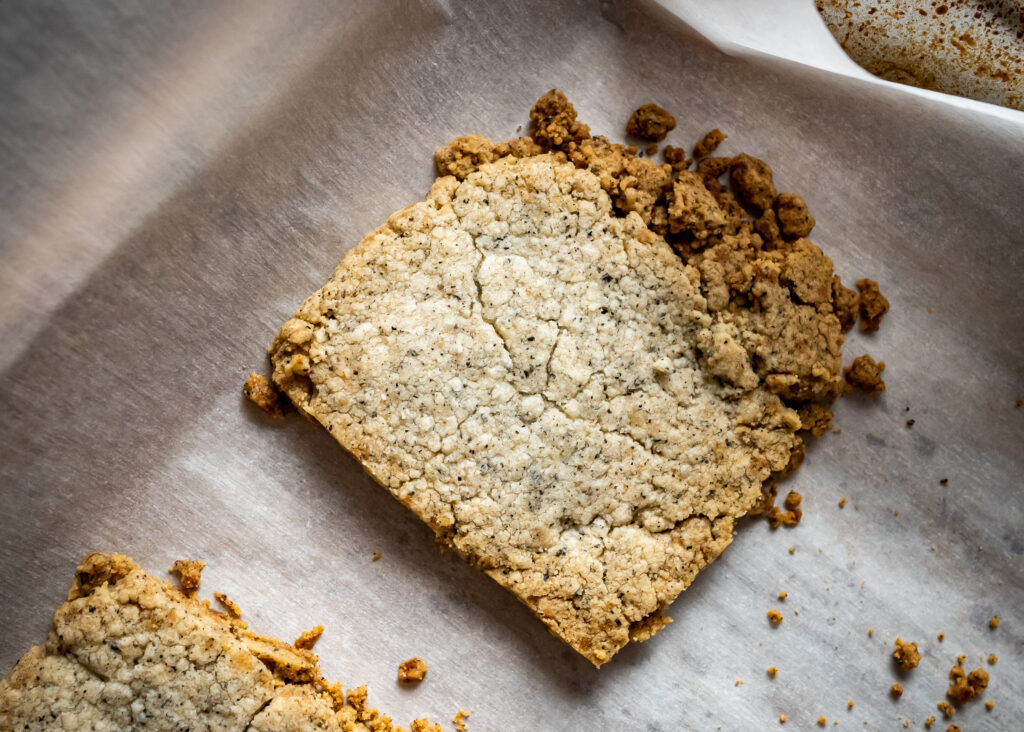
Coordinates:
column 541, row 381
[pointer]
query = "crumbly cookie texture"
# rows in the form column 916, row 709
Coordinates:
column 130, row 652
column 543, row 382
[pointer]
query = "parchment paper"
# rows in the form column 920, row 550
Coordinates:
column 177, row 178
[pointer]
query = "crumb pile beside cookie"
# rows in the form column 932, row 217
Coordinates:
column 578, row 366
column 127, row 651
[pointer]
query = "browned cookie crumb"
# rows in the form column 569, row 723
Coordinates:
column 676, row 158
column 783, row 595
column 261, row 392
column 953, row 728
column 815, row 417
column 961, row 658
column 993, row 622
column 794, row 218
column 866, row 374
column 773, row 671
column 693, row 208
column 871, row 632
column 792, row 550
column 767, row 225
column 553, row 121
column 993, row 659
column 822, row 721
column 650, row 122
column 782, row 719
column 739, row 682
column 941, row 637
column 711, row 170
column 308, row 639
column 946, row 708
column 846, row 303
column 709, row 143
column 873, row 305
column 849, row 704
column 751, row 180
column 775, row 617
column 896, row 690
column 412, row 670
column 945, row 481
column 1019, row 403
column 463, row 155
column 906, row 654
column 188, row 571
column 929, row 722
column 376, row 556
column 963, row 687
column 842, row 503
column 651, row 150
column 459, row 720
column 989, row 705
column 233, row 608
column 911, row 422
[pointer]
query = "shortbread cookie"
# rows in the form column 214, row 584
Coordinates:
column 128, row 652
column 542, row 382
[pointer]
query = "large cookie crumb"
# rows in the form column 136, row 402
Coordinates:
column 650, row 122
column 412, row 670
column 873, row 305
column 866, row 374
column 906, row 654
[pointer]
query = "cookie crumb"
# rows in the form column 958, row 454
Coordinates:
column 989, row 705
column 263, row 394
column 929, row 722
column 775, row 616
column 188, row 571
column 793, row 217
column 953, row 728
column 849, row 704
column 460, row 720
column 822, row 721
column 308, row 639
column 896, row 690
column 910, row 422
column 906, row 654
column 993, row 659
column 842, row 502
column 376, row 556
column 993, row 623
column 943, row 481
column 412, row 670
column 651, row 150
column 773, row 671
column 782, row 719
column 783, row 595
column 964, row 687
column 792, row 550
column 676, row 158
column 946, row 708
column 709, row 143
column 960, row 659
column 739, row 682
column 941, row 637
column 866, row 374
column 650, row 122
column 873, row 305
column 1019, row 403
column 228, row 604
column 871, row 632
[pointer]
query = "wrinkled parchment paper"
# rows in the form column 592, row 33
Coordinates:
column 176, row 179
